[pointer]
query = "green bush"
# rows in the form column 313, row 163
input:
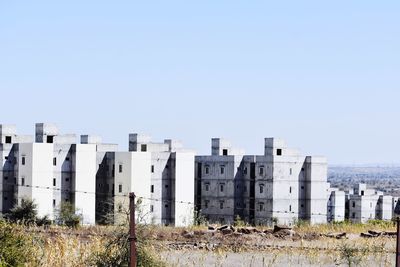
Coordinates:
column 66, row 215
column 25, row 213
column 16, row 248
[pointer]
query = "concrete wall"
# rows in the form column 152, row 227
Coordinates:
column 317, row 189
column 37, row 171
column 134, row 176
column 183, row 188
column 336, row 206
column 84, row 182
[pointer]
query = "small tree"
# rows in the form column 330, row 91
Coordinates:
column 66, row 215
column 25, row 213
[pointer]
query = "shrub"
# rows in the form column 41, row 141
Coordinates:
column 16, row 248
column 116, row 251
column 25, row 213
column 66, row 215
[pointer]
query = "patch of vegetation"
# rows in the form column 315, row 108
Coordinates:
column 66, row 215
column 26, row 213
column 16, row 248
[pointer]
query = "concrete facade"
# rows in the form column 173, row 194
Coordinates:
column 280, row 186
column 368, row 204
column 51, row 170
column 171, row 180
column 336, row 205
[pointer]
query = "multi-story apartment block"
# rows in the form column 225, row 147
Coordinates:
column 171, row 184
column 280, row 185
column 50, row 170
column 160, row 174
column 368, row 204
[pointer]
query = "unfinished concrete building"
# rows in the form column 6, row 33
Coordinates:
column 279, row 186
column 50, row 170
column 171, row 184
column 368, row 204
column 160, row 174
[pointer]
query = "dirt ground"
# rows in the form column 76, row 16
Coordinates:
column 285, row 247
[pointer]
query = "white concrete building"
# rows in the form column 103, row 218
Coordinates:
column 171, row 183
column 51, row 170
column 280, row 185
column 336, row 205
column 367, row 204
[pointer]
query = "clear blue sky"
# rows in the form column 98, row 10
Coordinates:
column 324, row 75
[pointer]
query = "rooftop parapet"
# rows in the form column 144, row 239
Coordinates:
column 90, row 139
column 45, row 132
column 274, row 146
column 223, row 147
column 174, row 145
column 8, row 133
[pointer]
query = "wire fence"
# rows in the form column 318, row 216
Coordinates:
column 203, row 208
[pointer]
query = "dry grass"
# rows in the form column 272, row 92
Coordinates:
column 60, row 246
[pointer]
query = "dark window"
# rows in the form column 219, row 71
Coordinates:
column 362, row 192
column 8, row 139
column 302, row 187
column 291, row 171
column 221, row 205
column 67, row 179
column 302, row 169
column 354, row 204
column 120, row 188
column 6, row 158
column 152, row 188
column 261, row 188
column 50, row 139
column 279, row 152
column 54, row 203
column 152, row 168
column 302, row 205
column 222, row 169
column 206, row 203
column 290, row 189
column 67, row 158
column 261, row 206
column 5, row 177
column 354, row 215
column 54, row 181
column 221, row 187
column 120, row 168
column 261, row 170
column 22, row 181
column 143, row 148
column 166, row 186
column 54, row 161
column 225, row 152
column 290, row 207
column 151, row 208
column 207, row 186
column 166, row 205
column 23, row 160
column 207, row 170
